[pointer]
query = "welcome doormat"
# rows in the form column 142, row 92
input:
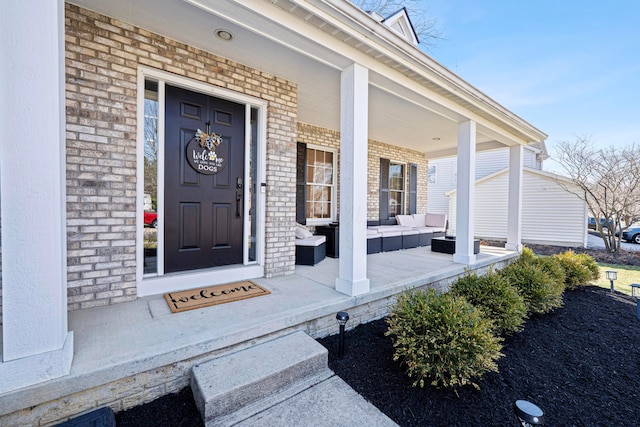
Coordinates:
column 213, row 295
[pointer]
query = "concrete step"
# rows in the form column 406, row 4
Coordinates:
column 237, row 386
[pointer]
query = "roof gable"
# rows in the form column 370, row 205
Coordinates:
column 525, row 170
column 401, row 24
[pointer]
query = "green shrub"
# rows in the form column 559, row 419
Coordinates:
column 498, row 300
column 540, row 291
column 552, row 267
column 442, row 339
column 527, row 254
column 580, row 269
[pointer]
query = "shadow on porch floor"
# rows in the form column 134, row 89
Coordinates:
column 119, row 350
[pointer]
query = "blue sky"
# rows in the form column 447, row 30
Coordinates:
column 568, row 67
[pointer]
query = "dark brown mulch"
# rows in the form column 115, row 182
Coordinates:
column 600, row 255
column 173, row 410
column 579, row 364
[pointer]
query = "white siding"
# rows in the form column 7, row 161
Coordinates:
column 529, row 160
column 550, row 215
column 437, row 202
column 487, row 162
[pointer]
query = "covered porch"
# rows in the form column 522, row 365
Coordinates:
column 131, row 353
column 319, row 62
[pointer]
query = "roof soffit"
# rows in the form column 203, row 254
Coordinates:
column 352, row 26
column 316, row 33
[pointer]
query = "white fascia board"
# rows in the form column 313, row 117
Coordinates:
column 381, row 42
column 550, row 175
column 414, row 58
column 525, row 169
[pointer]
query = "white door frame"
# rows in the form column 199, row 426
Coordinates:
column 160, row 283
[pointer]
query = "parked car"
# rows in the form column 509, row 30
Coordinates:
column 151, row 219
column 632, row 234
column 591, row 223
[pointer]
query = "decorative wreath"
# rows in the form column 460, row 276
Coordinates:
column 210, row 141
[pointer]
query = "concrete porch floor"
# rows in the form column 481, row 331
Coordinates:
column 130, row 353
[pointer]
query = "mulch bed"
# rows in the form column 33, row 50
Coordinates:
column 580, row 364
column 621, row 258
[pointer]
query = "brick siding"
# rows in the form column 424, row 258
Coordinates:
column 331, row 139
column 378, row 150
column 102, row 56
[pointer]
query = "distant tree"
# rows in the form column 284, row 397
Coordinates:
column 151, row 150
column 609, row 182
column 426, row 28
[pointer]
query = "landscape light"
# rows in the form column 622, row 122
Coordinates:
column 611, row 276
column 342, row 317
column 528, row 414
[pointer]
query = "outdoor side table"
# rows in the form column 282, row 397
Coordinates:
column 447, row 245
column 634, row 286
column 332, row 233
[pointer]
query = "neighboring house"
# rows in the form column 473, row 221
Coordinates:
column 443, row 172
column 550, row 214
column 219, row 110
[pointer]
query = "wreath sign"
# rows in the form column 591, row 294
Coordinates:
column 201, row 153
column 208, row 140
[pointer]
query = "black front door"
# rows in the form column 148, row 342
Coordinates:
column 203, row 212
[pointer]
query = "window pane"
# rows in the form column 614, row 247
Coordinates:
column 150, row 177
column 253, row 183
column 396, row 177
column 325, row 212
column 395, row 203
column 319, row 184
column 396, row 189
column 326, row 176
column 308, row 211
column 328, row 158
column 329, row 175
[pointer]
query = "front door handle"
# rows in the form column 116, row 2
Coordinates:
column 238, row 204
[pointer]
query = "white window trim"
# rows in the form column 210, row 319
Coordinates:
column 433, row 181
column 161, row 283
column 405, row 191
column 334, row 188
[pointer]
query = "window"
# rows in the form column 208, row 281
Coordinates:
column 396, row 189
column 392, row 190
column 319, row 185
column 315, row 182
column 433, row 174
column 150, row 176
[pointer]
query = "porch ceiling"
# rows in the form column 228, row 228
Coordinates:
column 269, row 38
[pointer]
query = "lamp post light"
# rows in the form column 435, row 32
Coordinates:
column 611, row 276
column 528, row 414
column 342, row 317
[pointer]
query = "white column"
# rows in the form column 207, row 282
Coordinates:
column 465, row 196
column 514, row 214
column 354, row 112
column 36, row 343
